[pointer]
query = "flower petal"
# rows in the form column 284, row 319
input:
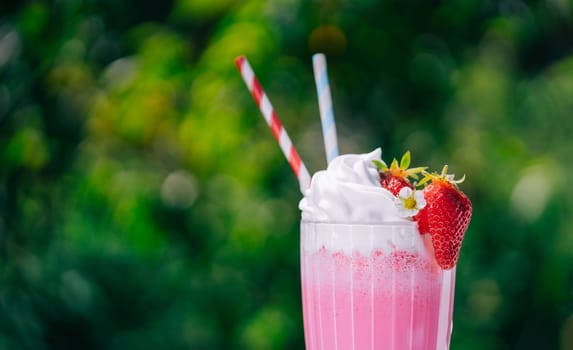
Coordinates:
column 420, row 199
column 405, row 192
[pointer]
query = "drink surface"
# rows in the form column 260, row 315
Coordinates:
column 373, row 287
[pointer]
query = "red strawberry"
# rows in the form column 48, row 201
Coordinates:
column 395, row 177
column 394, row 183
column 445, row 217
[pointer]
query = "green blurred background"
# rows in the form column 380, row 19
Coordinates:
column 144, row 204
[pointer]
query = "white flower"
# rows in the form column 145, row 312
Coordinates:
column 409, row 202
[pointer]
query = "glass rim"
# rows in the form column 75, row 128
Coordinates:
column 411, row 224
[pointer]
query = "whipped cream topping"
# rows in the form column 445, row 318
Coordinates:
column 349, row 191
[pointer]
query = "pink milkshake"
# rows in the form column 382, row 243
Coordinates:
column 373, row 287
column 370, row 280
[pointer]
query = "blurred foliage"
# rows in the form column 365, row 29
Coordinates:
column 145, row 205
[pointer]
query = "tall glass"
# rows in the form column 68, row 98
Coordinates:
column 373, row 287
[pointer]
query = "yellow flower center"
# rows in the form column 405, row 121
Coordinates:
column 410, row 203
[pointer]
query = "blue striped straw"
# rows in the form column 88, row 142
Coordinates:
column 325, row 106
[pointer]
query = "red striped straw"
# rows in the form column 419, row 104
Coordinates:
column 273, row 122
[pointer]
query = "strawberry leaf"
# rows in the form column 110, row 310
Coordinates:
column 394, row 164
column 444, row 171
column 405, row 161
column 414, row 171
column 423, row 181
column 380, row 165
